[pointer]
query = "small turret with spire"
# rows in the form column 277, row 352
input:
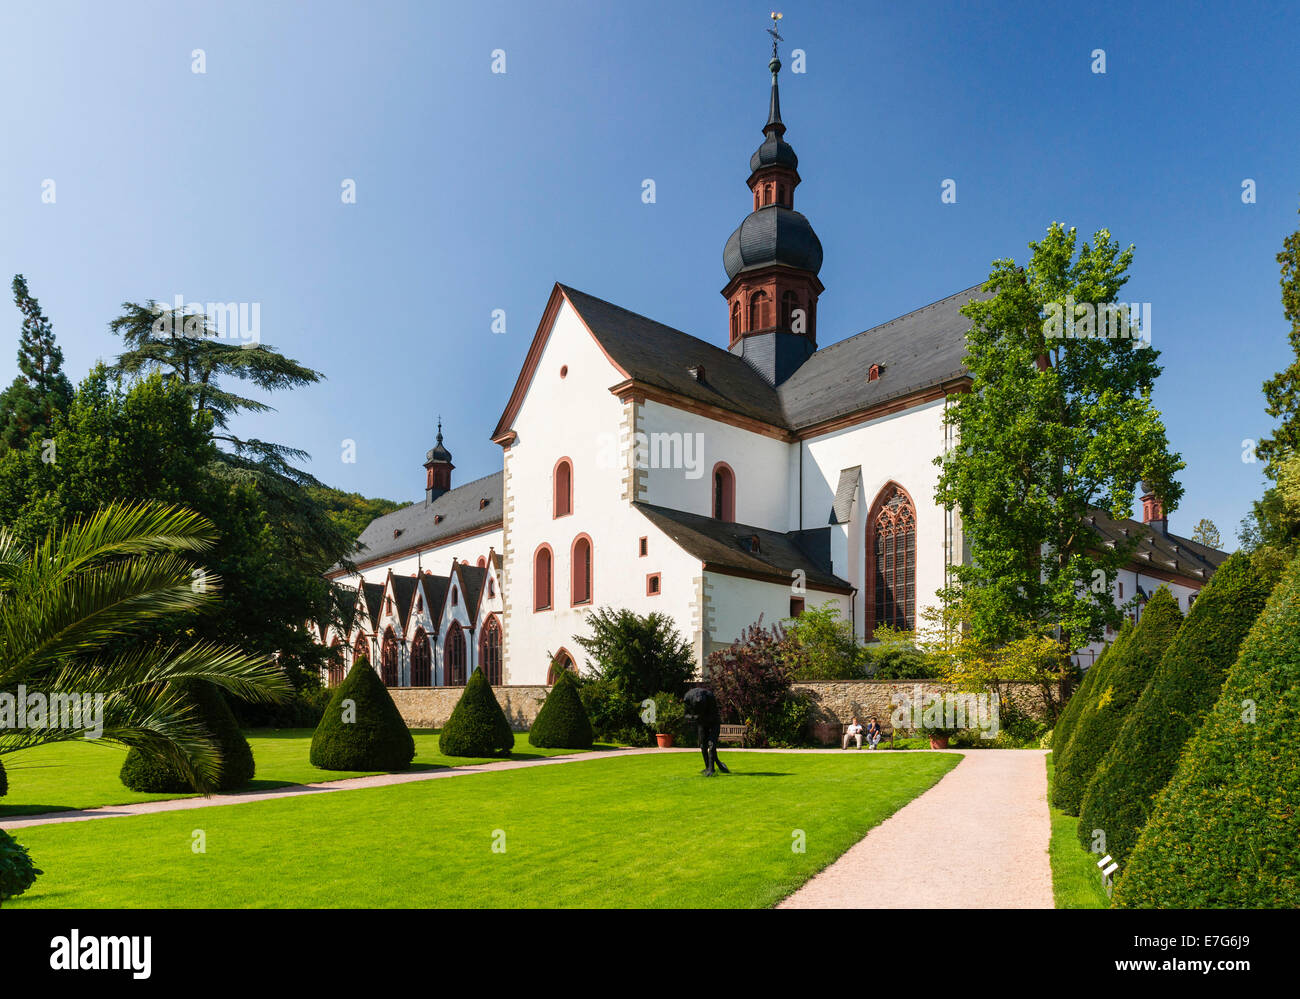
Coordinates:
column 773, row 258
column 438, row 466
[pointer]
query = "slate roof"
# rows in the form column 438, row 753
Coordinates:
column 916, row 351
column 1165, row 552
column 374, row 597
column 725, row 545
column 472, row 581
column 435, row 594
column 415, row 527
column 403, row 596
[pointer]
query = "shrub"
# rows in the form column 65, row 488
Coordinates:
column 1117, row 690
column 899, row 662
column 17, row 872
column 477, row 726
column 639, row 656
column 614, row 716
column 362, row 728
column 304, row 709
column 751, row 680
column 821, row 646
column 562, row 722
column 4, row 780
column 787, row 725
column 670, row 714
column 153, row 774
column 1181, row 692
column 1223, row 832
column 1069, row 715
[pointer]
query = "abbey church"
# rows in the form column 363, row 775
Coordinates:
column 713, row 479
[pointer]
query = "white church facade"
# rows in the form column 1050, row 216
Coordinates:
column 648, row 469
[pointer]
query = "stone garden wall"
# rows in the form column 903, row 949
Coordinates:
column 430, row 707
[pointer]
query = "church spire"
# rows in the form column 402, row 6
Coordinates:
column 773, row 258
column 438, row 468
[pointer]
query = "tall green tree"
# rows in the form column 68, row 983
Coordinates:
column 1051, row 428
column 189, row 350
column 41, row 388
column 1282, row 391
column 1207, row 533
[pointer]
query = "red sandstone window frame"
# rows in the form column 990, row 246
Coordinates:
column 874, row 597
column 454, row 658
column 543, row 600
column 643, row 546
column 421, row 660
column 490, row 655
column 654, row 586
column 796, row 606
column 581, row 595
column 723, row 492
column 562, row 480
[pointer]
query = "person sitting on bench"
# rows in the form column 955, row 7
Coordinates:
column 873, row 732
column 853, row 730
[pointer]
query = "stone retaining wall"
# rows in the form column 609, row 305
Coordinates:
column 430, row 707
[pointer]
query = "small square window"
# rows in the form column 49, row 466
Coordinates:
column 796, row 606
column 652, row 585
column 643, row 547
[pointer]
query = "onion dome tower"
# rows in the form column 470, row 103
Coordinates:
column 438, row 466
column 773, row 258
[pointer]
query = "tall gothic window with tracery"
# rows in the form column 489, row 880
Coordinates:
column 421, row 660
column 389, row 667
column 893, row 537
column 454, row 658
column 490, row 657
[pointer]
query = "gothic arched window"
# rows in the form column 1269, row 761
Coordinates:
column 454, row 656
column 490, row 652
column 891, row 561
column 362, row 649
column 760, row 311
column 421, row 660
column 336, row 664
column 562, row 661
column 388, row 663
column 735, row 319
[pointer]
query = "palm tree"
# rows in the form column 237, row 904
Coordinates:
column 79, row 615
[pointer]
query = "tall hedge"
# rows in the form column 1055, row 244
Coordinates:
column 154, row 775
column 1113, row 696
column 362, row 728
column 1181, row 692
column 477, row 726
column 1064, row 729
column 562, row 722
column 1223, row 833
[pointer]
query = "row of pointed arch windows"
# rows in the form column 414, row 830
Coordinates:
column 759, row 312
column 764, row 193
column 455, row 660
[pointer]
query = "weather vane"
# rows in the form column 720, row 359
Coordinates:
column 776, row 37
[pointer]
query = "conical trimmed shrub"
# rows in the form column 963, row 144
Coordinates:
column 1064, row 729
column 562, row 722
column 155, row 775
column 362, row 728
column 1223, row 833
column 477, row 726
column 1112, row 697
column 1184, row 687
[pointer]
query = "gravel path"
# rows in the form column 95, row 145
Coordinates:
column 976, row 840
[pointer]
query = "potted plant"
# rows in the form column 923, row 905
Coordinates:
column 939, row 737
column 670, row 715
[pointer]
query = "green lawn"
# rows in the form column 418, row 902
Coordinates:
column 1076, row 881
column 84, row 775
column 641, row 831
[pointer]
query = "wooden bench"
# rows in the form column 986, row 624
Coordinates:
column 886, row 732
column 732, row 733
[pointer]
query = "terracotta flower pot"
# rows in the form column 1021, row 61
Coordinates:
column 938, row 742
column 664, row 739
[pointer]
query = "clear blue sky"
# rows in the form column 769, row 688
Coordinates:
column 477, row 191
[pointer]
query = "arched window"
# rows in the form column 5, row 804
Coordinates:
column 563, row 487
column 735, row 319
column 490, row 651
column 580, row 562
column 482, row 562
column 542, row 579
column 455, row 597
column 453, row 659
column 336, row 664
column 789, row 302
column 724, row 492
column 421, row 660
column 389, row 668
column 760, row 311
column 362, row 649
column 767, row 193
column 559, row 663
column 891, row 561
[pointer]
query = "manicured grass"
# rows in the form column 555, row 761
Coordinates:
column 85, row 775
column 1076, row 881
column 636, row 831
